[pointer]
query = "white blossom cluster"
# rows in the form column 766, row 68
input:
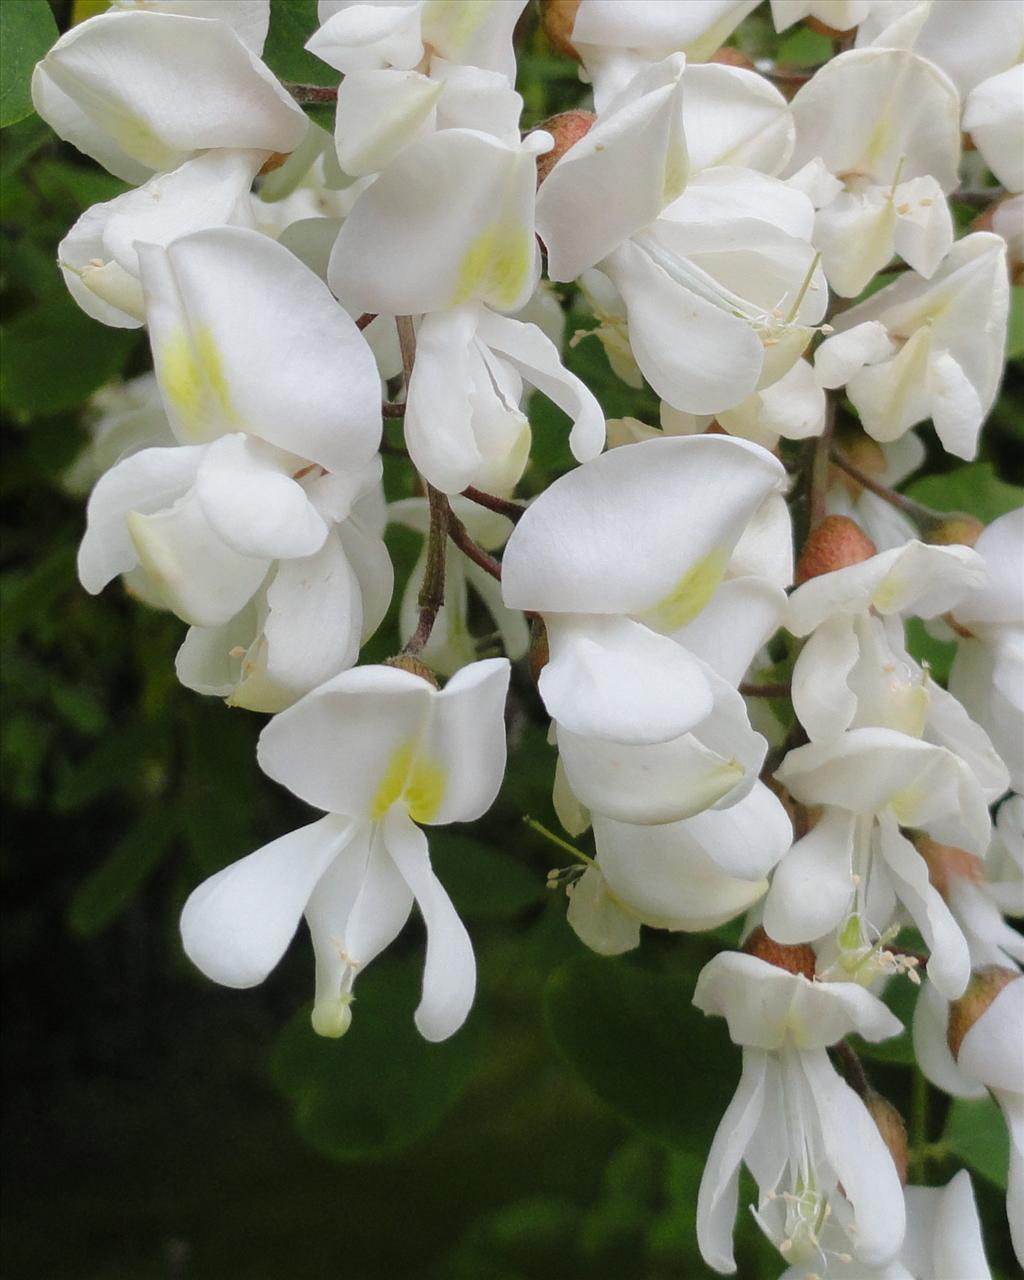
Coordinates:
column 294, row 287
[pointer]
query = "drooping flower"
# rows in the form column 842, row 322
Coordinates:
column 826, row 1179
column 381, row 751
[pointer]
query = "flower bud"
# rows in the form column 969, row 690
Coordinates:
column 984, row 986
column 836, row 543
column 415, row 667
column 794, row 959
column 566, row 128
column 889, row 1124
column 558, row 17
column 956, row 528
column 865, row 454
column 945, row 861
column 273, row 161
column 537, row 657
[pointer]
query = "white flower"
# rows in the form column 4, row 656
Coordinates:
column 854, row 867
column 623, row 554
column 887, row 124
column 690, row 875
column 826, row 1179
column 268, row 385
column 618, row 38
column 926, row 348
column 99, row 258
column 463, row 421
column 410, row 246
column 988, row 672
column 381, row 751
column 141, row 91
column 943, row 1239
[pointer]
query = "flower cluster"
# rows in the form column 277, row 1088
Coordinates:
column 785, row 275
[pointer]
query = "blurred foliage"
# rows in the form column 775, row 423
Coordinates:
column 169, row 1128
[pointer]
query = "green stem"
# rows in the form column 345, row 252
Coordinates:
column 919, row 1146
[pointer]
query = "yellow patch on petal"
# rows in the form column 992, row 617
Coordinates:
column 449, row 25
column 495, row 265
column 887, row 597
column 906, row 804
column 393, row 783
column 193, row 375
column 419, row 782
column 694, row 589
column 425, row 790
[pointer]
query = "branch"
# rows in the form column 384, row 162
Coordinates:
column 503, row 506
column 431, row 596
column 780, row 690
column 853, row 1068
column 460, row 535
column 916, row 511
column 306, row 94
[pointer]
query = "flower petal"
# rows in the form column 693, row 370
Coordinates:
column 449, row 975
column 236, row 926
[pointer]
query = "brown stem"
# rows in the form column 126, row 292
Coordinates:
column 917, row 512
column 503, row 506
column 431, row 596
column 306, row 94
column 459, row 534
column 780, row 690
column 853, row 1068
column 366, row 319
column 391, row 409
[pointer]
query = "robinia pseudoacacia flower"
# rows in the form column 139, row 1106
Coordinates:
column 349, row 331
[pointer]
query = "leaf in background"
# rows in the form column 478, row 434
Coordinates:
column 219, row 792
column 21, row 142
column 976, row 1132
column 54, row 356
column 938, row 654
column 292, row 22
column 484, row 883
column 117, row 762
column 975, row 489
column 27, row 30
column 101, row 898
column 900, row 995
column 636, row 1039
column 381, row 1087
column 1015, row 331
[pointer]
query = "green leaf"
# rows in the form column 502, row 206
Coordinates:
column 27, row 30
column 938, row 654
column 116, row 763
column 382, row 1086
column 484, row 883
column 976, row 1132
column 636, row 1039
column 55, row 356
column 900, row 995
column 101, row 898
column 292, row 22
column 975, row 489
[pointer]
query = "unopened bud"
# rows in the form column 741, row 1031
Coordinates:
column 558, row 18
column 414, row 666
column 566, row 128
column 538, row 655
column 984, row 986
column 836, row 543
column 794, row 959
column 889, row 1124
column 945, row 862
column 957, row 528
